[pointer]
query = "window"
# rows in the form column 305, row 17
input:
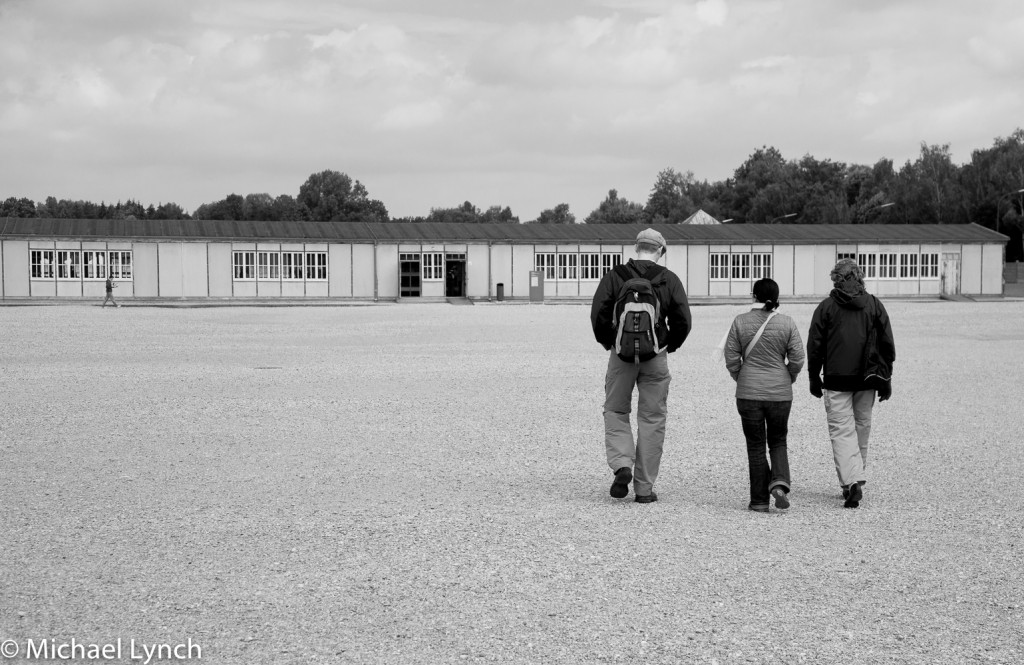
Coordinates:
column 762, row 266
column 244, row 262
column 121, row 265
column 42, row 264
column 291, row 266
column 94, row 265
column 846, row 255
column 867, row 264
column 268, row 265
column 908, row 266
column 590, row 266
column 433, row 266
column 567, row 266
column 929, row 266
column 888, row 266
column 545, row 263
column 741, row 266
column 719, row 266
column 609, row 261
column 69, row 265
column 316, row 266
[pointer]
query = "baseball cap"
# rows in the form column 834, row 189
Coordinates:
column 651, row 237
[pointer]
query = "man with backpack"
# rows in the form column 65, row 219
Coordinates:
column 640, row 314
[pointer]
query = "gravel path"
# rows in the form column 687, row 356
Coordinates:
column 426, row 484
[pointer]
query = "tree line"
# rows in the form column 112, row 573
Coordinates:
column 766, row 188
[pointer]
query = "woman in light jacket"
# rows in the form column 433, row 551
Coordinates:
column 764, row 376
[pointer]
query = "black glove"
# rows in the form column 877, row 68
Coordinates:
column 816, row 386
column 885, row 391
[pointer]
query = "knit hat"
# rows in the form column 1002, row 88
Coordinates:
column 848, row 277
column 653, row 238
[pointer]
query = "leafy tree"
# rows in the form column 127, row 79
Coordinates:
column 932, row 187
column 499, row 215
column 333, row 196
column 258, row 207
column 467, row 213
column 749, row 201
column 669, row 201
column 614, row 210
column 14, row 207
column 558, row 215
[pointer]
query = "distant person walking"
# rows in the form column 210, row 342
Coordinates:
column 110, row 293
column 764, row 355
column 640, row 314
column 845, row 328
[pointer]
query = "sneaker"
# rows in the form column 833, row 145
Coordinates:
column 620, row 486
column 759, row 508
column 781, row 499
column 647, row 498
column 853, row 496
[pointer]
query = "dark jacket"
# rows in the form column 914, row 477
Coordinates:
column 675, row 308
column 839, row 331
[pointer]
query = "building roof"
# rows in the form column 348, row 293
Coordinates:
column 700, row 217
column 413, row 232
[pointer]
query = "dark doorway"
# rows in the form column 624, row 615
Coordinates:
column 409, row 275
column 455, row 278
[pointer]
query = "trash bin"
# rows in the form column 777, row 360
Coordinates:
column 501, row 291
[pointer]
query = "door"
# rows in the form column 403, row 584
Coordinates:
column 455, row 278
column 409, row 276
column 951, row 274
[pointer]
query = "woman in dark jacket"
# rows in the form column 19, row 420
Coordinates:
column 836, row 345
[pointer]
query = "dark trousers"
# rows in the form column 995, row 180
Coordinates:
column 765, row 423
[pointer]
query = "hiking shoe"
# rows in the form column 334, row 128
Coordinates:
column 620, row 486
column 853, row 496
column 759, row 508
column 647, row 498
column 781, row 500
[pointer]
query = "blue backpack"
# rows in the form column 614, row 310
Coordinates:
column 637, row 315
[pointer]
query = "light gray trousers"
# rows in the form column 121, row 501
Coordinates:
column 849, row 427
column 651, row 379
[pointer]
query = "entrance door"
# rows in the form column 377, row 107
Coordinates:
column 455, row 278
column 951, row 274
column 409, row 275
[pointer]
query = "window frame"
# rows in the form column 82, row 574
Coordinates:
column 764, row 270
column 546, row 263
column 243, row 265
column 930, row 265
column 719, row 269
column 739, row 267
column 868, row 263
column 568, row 267
column 316, row 266
column 89, row 267
column 71, row 259
column 590, row 266
column 888, row 265
column 38, row 269
column 908, row 265
column 609, row 260
column 123, row 268
column 432, row 266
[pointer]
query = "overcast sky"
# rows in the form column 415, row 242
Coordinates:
column 523, row 103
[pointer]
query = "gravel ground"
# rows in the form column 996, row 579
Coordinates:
column 426, row 484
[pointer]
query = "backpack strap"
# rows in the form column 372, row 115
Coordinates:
column 623, row 271
column 757, row 337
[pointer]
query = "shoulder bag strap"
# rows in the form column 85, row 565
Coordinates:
column 757, row 337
